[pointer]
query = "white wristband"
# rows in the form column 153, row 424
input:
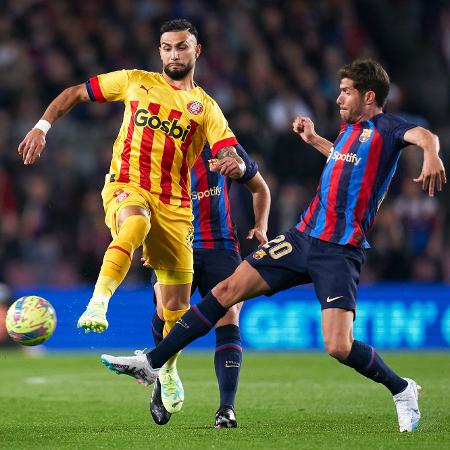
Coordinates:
column 43, row 125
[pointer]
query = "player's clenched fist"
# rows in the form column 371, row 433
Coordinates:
column 32, row 146
column 227, row 166
column 304, row 127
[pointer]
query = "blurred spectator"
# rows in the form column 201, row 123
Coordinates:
column 419, row 215
column 5, row 302
column 264, row 62
column 389, row 258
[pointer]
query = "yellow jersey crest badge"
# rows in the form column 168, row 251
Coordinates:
column 195, row 107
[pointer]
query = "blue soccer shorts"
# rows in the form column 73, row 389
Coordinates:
column 295, row 258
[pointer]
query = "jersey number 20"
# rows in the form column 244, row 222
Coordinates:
column 280, row 249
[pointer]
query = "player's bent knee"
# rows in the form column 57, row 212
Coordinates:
column 339, row 351
column 220, row 291
column 135, row 229
column 228, row 292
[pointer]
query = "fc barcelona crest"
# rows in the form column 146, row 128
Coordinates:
column 259, row 254
column 365, row 135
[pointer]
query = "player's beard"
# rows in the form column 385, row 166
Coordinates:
column 354, row 114
column 180, row 72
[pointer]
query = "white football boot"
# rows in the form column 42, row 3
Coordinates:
column 172, row 392
column 136, row 366
column 94, row 318
column 407, row 406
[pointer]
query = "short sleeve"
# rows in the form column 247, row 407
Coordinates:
column 217, row 131
column 251, row 167
column 399, row 127
column 110, row 87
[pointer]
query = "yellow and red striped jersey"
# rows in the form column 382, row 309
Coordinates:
column 163, row 132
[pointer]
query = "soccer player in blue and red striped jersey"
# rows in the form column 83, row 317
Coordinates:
column 216, row 256
column 327, row 247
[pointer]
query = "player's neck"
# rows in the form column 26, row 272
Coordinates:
column 369, row 113
column 185, row 84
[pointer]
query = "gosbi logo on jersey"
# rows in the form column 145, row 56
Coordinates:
column 211, row 192
column 195, row 107
column 365, row 135
column 120, row 195
column 142, row 118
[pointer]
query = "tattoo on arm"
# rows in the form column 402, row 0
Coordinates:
column 231, row 151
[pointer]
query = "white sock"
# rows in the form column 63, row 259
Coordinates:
column 99, row 301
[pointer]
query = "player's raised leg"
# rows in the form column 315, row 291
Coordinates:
column 337, row 326
column 133, row 225
column 245, row 283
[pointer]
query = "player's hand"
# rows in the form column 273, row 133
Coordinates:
column 259, row 234
column 432, row 175
column 32, row 146
column 304, row 127
column 226, row 166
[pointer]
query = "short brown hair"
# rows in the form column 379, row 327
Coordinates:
column 367, row 75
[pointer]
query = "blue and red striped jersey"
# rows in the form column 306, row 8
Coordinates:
column 213, row 227
column 355, row 180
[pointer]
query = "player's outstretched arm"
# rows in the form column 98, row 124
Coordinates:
column 432, row 175
column 228, row 163
column 34, row 142
column 261, row 207
column 304, row 127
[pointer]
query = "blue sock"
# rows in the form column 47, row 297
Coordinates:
column 365, row 360
column 195, row 323
column 227, row 362
column 157, row 328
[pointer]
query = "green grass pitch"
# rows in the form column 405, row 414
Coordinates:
column 287, row 400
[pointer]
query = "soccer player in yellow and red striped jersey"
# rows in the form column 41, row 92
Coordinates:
column 146, row 197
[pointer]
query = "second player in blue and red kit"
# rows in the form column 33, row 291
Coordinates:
column 327, row 247
column 216, row 256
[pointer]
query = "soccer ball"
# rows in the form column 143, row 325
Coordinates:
column 30, row 320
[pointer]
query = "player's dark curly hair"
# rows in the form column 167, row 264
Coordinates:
column 368, row 75
column 178, row 25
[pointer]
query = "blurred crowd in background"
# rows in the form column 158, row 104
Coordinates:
column 265, row 62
